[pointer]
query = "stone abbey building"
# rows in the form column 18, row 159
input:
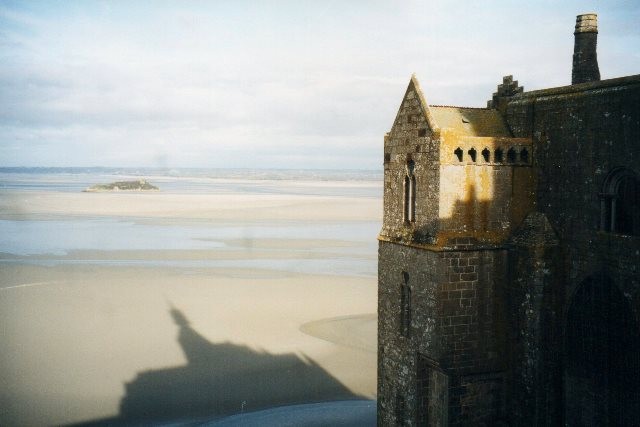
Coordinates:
column 509, row 256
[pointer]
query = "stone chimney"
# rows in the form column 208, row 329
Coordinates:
column 585, row 59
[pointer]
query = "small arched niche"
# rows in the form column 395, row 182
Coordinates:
column 458, row 153
column 486, row 155
column 472, row 154
column 498, row 155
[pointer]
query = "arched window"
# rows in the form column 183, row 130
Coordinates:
column 409, row 211
column 620, row 203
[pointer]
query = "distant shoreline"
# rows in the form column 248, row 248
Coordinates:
column 234, row 173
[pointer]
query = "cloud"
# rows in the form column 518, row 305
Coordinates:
column 264, row 83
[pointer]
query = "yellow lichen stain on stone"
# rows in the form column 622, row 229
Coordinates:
column 469, row 200
column 486, row 195
column 486, row 189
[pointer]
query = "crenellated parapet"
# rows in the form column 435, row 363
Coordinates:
column 487, row 151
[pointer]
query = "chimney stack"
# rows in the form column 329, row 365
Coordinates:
column 585, row 59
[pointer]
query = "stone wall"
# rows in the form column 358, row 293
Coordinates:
column 581, row 134
column 488, row 269
column 534, row 299
column 483, row 201
column 465, row 186
column 397, row 353
column 457, row 324
column 411, row 140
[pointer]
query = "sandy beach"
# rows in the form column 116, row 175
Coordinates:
column 209, row 207
column 171, row 333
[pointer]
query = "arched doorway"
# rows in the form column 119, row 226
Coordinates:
column 602, row 365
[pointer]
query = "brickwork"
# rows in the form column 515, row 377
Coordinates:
column 456, row 324
column 471, row 325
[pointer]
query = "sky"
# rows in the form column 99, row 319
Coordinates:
column 268, row 84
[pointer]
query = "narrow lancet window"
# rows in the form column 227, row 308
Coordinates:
column 524, row 155
column 511, row 155
column 407, row 196
column 405, row 305
column 409, row 207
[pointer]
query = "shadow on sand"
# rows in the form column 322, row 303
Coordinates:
column 221, row 379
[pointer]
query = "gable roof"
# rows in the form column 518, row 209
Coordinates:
column 415, row 85
column 470, row 121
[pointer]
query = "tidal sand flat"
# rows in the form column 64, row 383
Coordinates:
column 183, row 305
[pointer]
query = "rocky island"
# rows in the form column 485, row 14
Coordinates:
column 140, row 185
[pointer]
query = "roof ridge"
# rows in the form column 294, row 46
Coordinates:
column 582, row 87
column 457, row 106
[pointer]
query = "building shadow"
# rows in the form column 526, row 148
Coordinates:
column 221, row 379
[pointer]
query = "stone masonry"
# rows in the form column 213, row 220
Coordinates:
column 509, row 256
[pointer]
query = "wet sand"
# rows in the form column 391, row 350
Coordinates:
column 86, row 341
column 207, row 207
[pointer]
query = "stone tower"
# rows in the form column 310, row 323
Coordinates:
column 508, row 278
column 456, row 183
